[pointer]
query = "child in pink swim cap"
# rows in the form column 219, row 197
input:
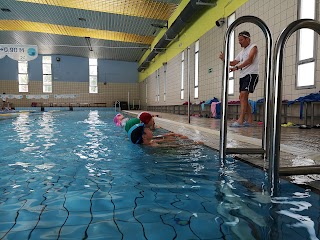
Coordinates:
column 120, row 120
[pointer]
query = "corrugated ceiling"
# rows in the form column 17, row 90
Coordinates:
column 118, row 29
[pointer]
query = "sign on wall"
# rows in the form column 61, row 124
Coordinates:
column 19, row 52
column 11, row 96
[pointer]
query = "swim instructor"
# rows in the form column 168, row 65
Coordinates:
column 247, row 63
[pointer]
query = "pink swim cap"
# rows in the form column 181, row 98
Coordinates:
column 116, row 119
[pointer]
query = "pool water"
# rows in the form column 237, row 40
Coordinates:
column 75, row 175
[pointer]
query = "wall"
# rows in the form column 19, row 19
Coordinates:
column 108, row 93
column 199, row 25
column 113, row 71
column 70, row 76
column 276, row 14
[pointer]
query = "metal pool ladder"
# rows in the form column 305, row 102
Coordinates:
column 224, row 95
column 116, row 103
column 274, row 118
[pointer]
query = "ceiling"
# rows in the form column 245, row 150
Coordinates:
column 120, row 30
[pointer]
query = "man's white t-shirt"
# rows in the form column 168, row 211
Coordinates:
column 4, row 98
column 253, row 68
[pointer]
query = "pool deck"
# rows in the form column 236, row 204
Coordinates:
column 299, row 147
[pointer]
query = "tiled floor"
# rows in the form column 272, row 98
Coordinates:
column 299, row 147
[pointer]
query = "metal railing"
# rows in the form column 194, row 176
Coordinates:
column 224, row 94
column 116, row 103
column 275, row 97
column 136, row 103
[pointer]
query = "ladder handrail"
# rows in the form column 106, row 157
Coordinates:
column 115, row 105
column 275, row 98
column 224, row 90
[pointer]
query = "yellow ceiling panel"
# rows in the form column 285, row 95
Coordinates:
column 138, row 8
column 17, row 25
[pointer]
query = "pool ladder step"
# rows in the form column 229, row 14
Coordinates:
column 299, row 170
column 245, row 151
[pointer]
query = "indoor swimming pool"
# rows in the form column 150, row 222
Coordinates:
column 75, row 175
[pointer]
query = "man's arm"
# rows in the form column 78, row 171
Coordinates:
column 252, row 55
column 232, row 63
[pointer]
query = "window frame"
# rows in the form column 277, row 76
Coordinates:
column 45, row 85
column 146, row 91
column 157, row 97
column 23, row 73
column 311, row 60
column 182, row 76
column 165, row 65
column 196, row 69
column 93, row 88
column 231, row 82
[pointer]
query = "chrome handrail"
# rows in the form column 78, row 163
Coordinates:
column 224, row 93
column 275, row 98
column 115, row 106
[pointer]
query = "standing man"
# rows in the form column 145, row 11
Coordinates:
column 247, row 62
column 4, row 101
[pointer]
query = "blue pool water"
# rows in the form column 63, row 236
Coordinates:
column 75, row 175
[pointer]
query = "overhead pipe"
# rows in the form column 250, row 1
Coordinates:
column 185, row 17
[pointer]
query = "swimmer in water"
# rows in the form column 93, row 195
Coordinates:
column 139, row 134
column 120, row 120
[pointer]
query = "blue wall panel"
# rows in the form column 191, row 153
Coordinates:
column 117, row 71
column 70, row 69
column 8, row 69
column 35, row 69
column 73, row 69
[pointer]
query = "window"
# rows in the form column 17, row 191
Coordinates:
column 146, row 91
column 93, row 75
column 23, row 76
column 158, row 85
column 231, row 19
column 196, row 70
column 182, row 76
column 46, row 74
column 164, row 81
column 306, row 47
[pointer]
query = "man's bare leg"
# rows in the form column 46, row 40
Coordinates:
column 249, row 113
column 244, row 103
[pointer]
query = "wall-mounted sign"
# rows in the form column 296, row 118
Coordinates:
column 11, row 96
column 19, row 52
column 57, row 96
column 37, row 96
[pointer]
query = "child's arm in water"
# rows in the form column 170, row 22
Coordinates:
column 172, row 142
column 169, row 135
column 166, row 140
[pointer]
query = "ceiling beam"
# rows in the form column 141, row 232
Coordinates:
column 28, row 26
column 137, row 8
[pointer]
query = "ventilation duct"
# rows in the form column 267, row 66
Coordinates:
column 185, row 17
